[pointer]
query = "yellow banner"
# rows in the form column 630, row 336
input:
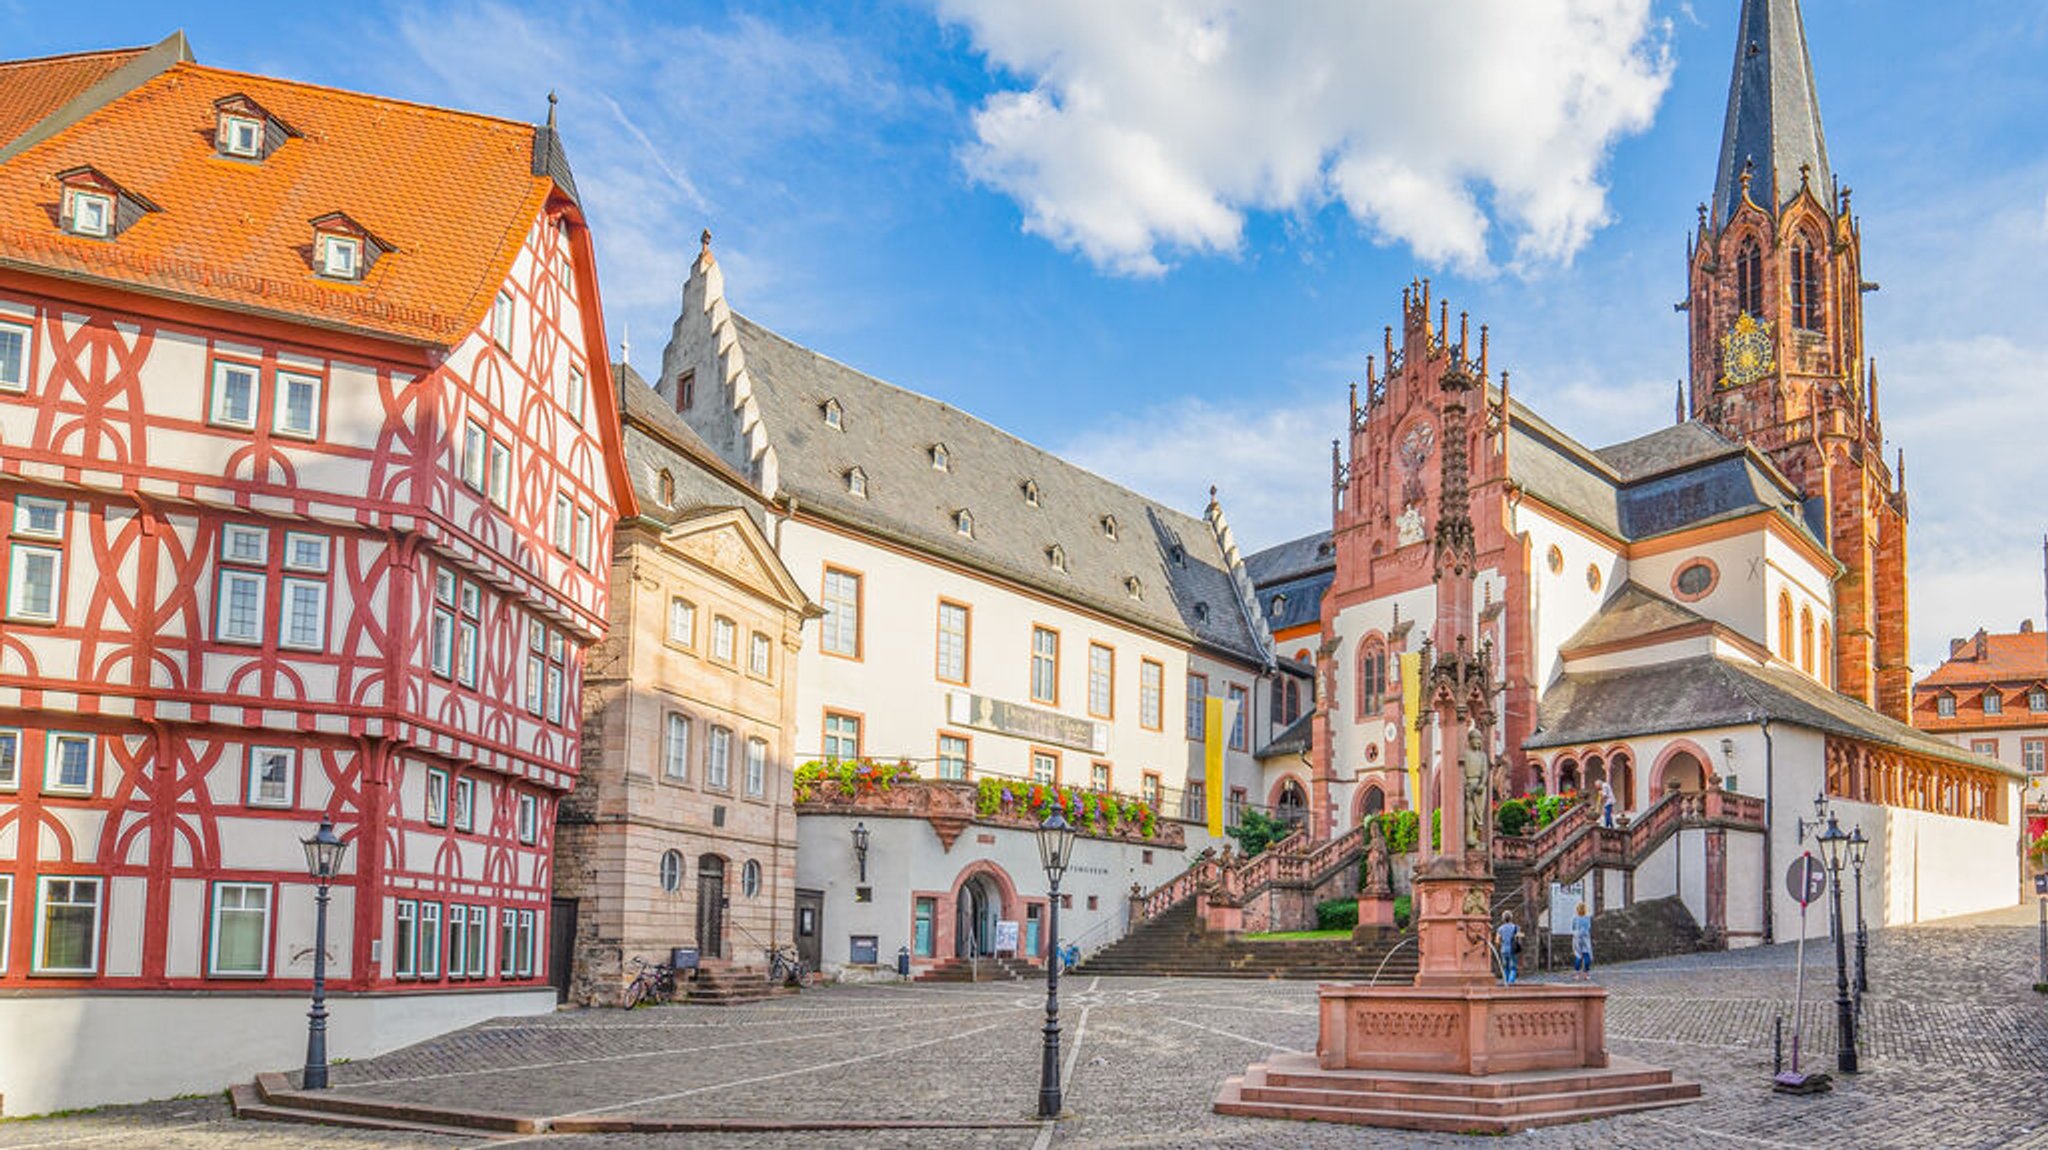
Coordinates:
column 1213, row 735
column 1411, row 712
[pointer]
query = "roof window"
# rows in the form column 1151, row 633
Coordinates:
column 1994, row 703
column 1109, row 527
column 1134, row 588
column 242, row 130
column 834, row 415
column 940, row 460
column 345, row 250
column 1278, row 607
column 963, row 522
column 1031, row 492
column 97, row 207
column 1945, row 705
column 1057, row 556
column 1178, row 554
column 2037, row 699
column 857, row 482
column 1201, row 612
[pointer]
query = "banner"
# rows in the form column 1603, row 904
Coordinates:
column 1213, row 734
column 1411, row 714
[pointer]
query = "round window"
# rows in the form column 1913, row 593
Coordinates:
column 750, row 879
column 1694, row 579
column 1554, row 557
column 672, row 871
column 1593, row 576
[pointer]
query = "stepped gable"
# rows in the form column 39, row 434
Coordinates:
column 1186, row 584
column 1708, row 691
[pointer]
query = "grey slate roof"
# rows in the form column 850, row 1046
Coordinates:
column 1187, row 587
column 1292, row 559
column 657, row 440
column 1773, row 112
column 1704, row 692
column 1292, row 741
column 1667, row 449
column 1296, row 601
column 1632, row 611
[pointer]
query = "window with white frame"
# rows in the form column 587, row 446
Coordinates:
column 952, row 757
column 955, row 624
column 718, row 759
column 759, row 653
column 1045, row 767
column 6, row 918
column 585, row 539
column 501, row 320
column 67, row 925
column 475, row 455
column 297, row 412
column 10, row 759
column 273, row 777
column 1945, row 706
column 238, row 609
column 2037, row 699
column 1240, row 706
column 501, row 474
column 1994, row 703
column 68, row 763
column 564, row 525
column 37, row 517
column 479, row 928
column 1045, row 665
column 240, row 136
column 1198, row 706
column 240, row 944
column 529, row 948
column 234, row 395
column 536, row 667
column 302, row 624
column 675, row 749
column 341, row 257
column 1151, row 694
column 405, row 939
column 14, row 342
column 1098, row 776
column 306, row 552
column 724, row 636
column 465, row 804
column 529, row 819
column 671, row 871
column 757, row 767
column 468, row 634
column 576, row 398
column 508, row 942
column 35, row 559
column 682, row 622
column 92, row 213
column 458, row 940
column 558, row 675
column 842, row 737
column 840, row 628
column 441, row 636
column 437, row 797
column 430, row 940
column 1101, row 681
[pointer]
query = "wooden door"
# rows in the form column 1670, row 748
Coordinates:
column 711, row 907
column 810, row 926
column 561, row 945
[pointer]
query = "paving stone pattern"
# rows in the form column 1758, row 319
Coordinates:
column 1954, row 1042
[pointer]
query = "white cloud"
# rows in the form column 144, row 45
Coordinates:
column 1151, row 128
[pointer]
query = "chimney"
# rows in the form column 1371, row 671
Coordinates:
column 2026, row 626
column 1955, row 647
column 1983, row 644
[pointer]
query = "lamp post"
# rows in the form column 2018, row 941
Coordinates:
column 1055, row 846
column 324, row 850
column 860, row 849
column 1833, row 845
column 1859, row 847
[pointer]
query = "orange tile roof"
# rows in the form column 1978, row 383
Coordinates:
column 454, row 192
column 32, row 89
column 2010, row 657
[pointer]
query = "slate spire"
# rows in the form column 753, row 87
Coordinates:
column 1773, row 113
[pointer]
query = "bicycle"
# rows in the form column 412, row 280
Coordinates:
column 653, row 982
column 788, row 967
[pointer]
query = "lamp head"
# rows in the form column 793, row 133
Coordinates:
column 1832, row 841
column 860, row 837
column 1859, row 847
column 1055, row 845
column 324, row 851
column 1820, row 806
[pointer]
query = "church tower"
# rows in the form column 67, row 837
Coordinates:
column 1776, row 304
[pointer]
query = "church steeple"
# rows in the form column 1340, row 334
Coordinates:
column 1773, row 127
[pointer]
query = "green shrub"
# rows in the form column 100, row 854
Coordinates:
column 1511, row 817
column 1400, row 828
column 1337, row 914
column 1436, row 829
column 1548, row 807
column 1257, row 830
column 1403, row 911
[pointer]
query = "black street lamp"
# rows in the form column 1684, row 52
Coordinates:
column 860, row 849
column 323, row 859
column 1055, row 848
column 1859, row 846
column 1833, row 845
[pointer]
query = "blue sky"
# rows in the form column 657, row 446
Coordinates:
column 945, row 194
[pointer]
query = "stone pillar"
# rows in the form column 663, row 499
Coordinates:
column 1453, row 929
column 1716, row 933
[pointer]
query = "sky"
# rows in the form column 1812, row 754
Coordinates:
column 1160, row 236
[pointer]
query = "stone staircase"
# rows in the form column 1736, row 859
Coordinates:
column 1293, row 1086
column 720, row 983
column 986, row 968
column 1174, row 945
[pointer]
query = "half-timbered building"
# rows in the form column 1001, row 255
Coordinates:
column 309, row 465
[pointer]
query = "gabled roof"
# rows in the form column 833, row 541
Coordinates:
column 2011, row 657
column 1705, row 692
column 1633, row 613
column 1294, row 740
column 1291, row 560
column 1188, row 587
column 35, row 90
column 455, row 193
column 1773, row 112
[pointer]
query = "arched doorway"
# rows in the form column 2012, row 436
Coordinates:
column 1291, row 804
column 1622, row 774
column 1683, row 772
column 711, row 906
column 979, row 906
column 1567, row 777
column 1594, row 772
column 1373, row 802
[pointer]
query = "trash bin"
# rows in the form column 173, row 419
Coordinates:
column 903, row 961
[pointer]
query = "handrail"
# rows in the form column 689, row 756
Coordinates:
column 1589, row 844
column 1292, row 860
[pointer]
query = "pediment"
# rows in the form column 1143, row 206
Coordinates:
column 730, row 545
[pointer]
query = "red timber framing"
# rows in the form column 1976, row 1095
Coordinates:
column 267, row 608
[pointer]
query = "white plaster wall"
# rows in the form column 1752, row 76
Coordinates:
column 1745, row 889
column 1562, row 601
column 905, row 856
column 63, row 1051
column 1737, row 599
column 1657, row 876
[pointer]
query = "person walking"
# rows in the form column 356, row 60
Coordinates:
column 1510, row 940
column 1606, row 804
column 1582, row 945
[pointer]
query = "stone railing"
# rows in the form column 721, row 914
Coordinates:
column 1576, row 842
column 1231, row 880
column 951, row 806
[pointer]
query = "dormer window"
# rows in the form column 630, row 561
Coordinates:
column 1109, row 527
column 1201, row 612
column 1178, row 554
column 2037, row 699
column 91, row 213
column 1945, row 706
column 1057, row 556
column 1133, row 588
column 833, row 415
column 1030, row 493
column 857, row 483
column 1994, row 703
column 240, row 136
column 242, row 130
column 1278, row 607
column 963, row 522
column 345, row 250
column 940, row 460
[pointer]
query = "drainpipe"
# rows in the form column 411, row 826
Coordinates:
column 1770, row 794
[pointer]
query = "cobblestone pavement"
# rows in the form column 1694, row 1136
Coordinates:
column 1954, row 1041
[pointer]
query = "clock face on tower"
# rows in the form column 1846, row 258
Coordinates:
column 1746, row 352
